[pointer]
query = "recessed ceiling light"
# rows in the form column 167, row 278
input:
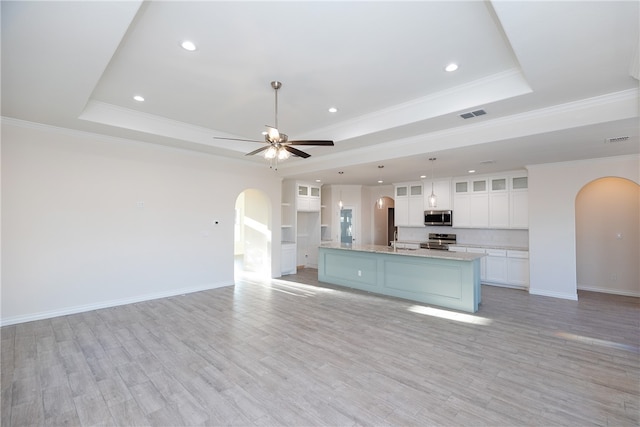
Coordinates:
column 188, row 45
column 451, row 67
column 318, row 180
column 380, row 181
column 471, row 171
column 139, row 98
column 423, row 176
column 333, row 110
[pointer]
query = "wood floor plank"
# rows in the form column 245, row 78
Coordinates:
column 297, row 352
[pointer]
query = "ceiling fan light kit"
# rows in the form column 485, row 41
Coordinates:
column 279, row 147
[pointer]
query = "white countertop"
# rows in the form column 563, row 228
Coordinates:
column 424, row 253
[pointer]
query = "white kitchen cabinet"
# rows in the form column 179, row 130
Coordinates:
column 498, row 203
column 491, row 202
column 308, row 198
column 409, row 205
column 508, row 268
column 470, row 204
column 518, row 268
column 519, row 202
column 442, row 190
column 496, row 266
column 288, row 259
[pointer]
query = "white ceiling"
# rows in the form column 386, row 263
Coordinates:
column 555, row 78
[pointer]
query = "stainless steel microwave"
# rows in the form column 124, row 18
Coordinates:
column 438, row 217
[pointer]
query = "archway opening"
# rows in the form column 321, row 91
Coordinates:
column 607, row 236
column 383, row 221
column 252, row 235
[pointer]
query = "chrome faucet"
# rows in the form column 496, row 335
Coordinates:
column 395, row 239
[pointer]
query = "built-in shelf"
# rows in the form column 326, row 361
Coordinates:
column 324, row 225
column 286, row 204
column 286, row 226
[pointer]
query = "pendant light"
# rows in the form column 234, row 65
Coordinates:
column 380, row 201
column 432, row 198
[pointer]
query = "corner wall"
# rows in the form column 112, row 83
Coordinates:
column 553, row 188
column 91, row 222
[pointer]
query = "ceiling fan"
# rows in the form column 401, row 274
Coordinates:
column 278, row 145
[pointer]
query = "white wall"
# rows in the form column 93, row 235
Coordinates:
column 552, row 218
column 90, row 222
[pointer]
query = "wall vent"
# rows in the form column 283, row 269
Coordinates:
column 616, row 139
column 473, row 114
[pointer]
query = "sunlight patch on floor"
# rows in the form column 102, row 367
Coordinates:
column 450, row 315
column 596, row 341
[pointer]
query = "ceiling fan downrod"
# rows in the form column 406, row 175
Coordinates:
column 276, row 85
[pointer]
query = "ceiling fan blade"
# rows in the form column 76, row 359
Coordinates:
column 326, row 143
column 236, row 139
column 258, row 150
column 296, row 152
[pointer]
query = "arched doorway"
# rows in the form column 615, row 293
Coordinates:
column 607, row 236
column 252, row 234
column 383, row 221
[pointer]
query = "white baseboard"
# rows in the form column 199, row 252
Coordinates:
column 544, row 293
column 106, row 304
column 608, row 291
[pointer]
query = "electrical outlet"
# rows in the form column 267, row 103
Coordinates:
column 614, row 277
column 359, row 273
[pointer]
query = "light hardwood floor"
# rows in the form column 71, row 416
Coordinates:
column 297, row 354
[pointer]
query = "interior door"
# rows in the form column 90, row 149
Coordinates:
column 346, row 226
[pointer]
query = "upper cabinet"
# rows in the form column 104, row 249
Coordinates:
column 409, row 205
column 470, row 203
column 442, row 189
column 519, row 201
column 499, row 201
column 308, row 198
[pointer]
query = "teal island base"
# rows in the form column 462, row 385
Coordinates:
column 446, row 279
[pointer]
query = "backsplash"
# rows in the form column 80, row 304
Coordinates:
column 469, row 236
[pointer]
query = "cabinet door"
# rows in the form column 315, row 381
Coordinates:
column 401, row 211
column 499, row 210
column 402, row 191
column 479, row 210
column 519, row 209
column 416, row 211
column 288, row 259
column 496, row 266
column 518, row 271
column 461, row 211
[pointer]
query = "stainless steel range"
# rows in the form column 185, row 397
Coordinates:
column 439, row 241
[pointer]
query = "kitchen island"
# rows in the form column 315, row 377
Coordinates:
column 447, row 279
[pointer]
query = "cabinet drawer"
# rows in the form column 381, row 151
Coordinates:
column 518, row 254
column 497, row 252
column 477, row 250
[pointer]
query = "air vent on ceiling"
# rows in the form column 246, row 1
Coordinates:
column 473, row 114
column 616, row 139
